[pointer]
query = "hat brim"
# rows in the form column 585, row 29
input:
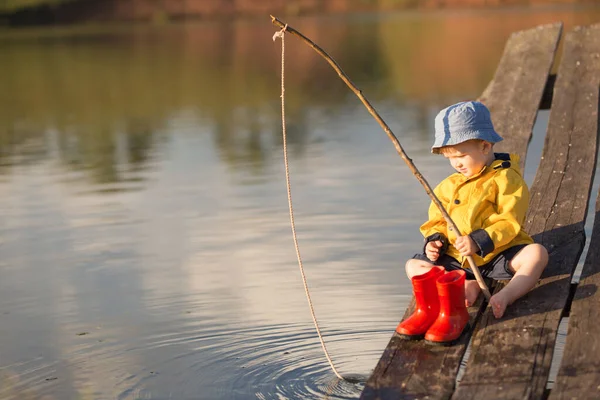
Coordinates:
column 458, row 137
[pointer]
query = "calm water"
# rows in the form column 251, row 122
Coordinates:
column 145, row 246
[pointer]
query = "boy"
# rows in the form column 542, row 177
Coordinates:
column 487, row 199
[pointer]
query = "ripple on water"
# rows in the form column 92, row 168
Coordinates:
column 272, row 362
column 28, row 379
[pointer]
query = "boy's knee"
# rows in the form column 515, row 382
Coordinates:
column 538, row 254
column 409, row 267
column 416, row 267
column 541, row 252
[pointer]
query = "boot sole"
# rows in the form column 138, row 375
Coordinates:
column 410, row 337
column 466, row 329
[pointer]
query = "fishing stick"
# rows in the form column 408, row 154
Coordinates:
column 286, row 28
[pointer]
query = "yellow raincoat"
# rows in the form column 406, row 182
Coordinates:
column 490, row 207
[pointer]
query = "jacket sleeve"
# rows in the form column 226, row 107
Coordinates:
column 512, row 200
column 436, row 227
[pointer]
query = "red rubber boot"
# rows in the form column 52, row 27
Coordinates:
column 453, row 316
column 427, row 305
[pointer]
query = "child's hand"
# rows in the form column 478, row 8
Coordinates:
column 465, row 246
column 432, row 250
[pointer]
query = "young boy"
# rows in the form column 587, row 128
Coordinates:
column 487, row 199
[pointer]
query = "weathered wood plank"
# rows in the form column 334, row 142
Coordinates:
column 511, row 357
column 413, row 369
column 579, row 373
column 416, row 369
column 515, row 94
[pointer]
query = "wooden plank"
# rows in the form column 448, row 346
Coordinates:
column 414, row 369
column 515, row 94
column 511, row 357
column 579, row 373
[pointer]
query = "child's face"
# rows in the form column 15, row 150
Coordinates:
column 469, row 157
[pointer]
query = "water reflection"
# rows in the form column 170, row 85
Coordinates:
column 146, row 249
column 110, row 93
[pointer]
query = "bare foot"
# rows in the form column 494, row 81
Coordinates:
column 471, row 292
column 499, row 304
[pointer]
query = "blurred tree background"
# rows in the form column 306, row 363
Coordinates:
column 16, row 5
column 36, row 12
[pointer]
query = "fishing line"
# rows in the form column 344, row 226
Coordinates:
column 281, row 34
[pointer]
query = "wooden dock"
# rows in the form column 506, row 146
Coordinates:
column 510, row 358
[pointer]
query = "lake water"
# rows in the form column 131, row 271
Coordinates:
column 145, row 244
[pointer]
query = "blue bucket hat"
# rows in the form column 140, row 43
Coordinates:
column 461, row 122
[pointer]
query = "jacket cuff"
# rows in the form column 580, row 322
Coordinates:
column 483, row 240
column 437, row 236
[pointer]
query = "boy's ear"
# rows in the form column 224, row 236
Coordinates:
column 487, row 147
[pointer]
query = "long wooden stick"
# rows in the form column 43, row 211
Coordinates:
column 392, row 137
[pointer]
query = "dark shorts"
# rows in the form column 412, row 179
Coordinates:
column 496, row 269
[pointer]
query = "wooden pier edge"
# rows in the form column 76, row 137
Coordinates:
column 414, row 369
column 579, row 372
